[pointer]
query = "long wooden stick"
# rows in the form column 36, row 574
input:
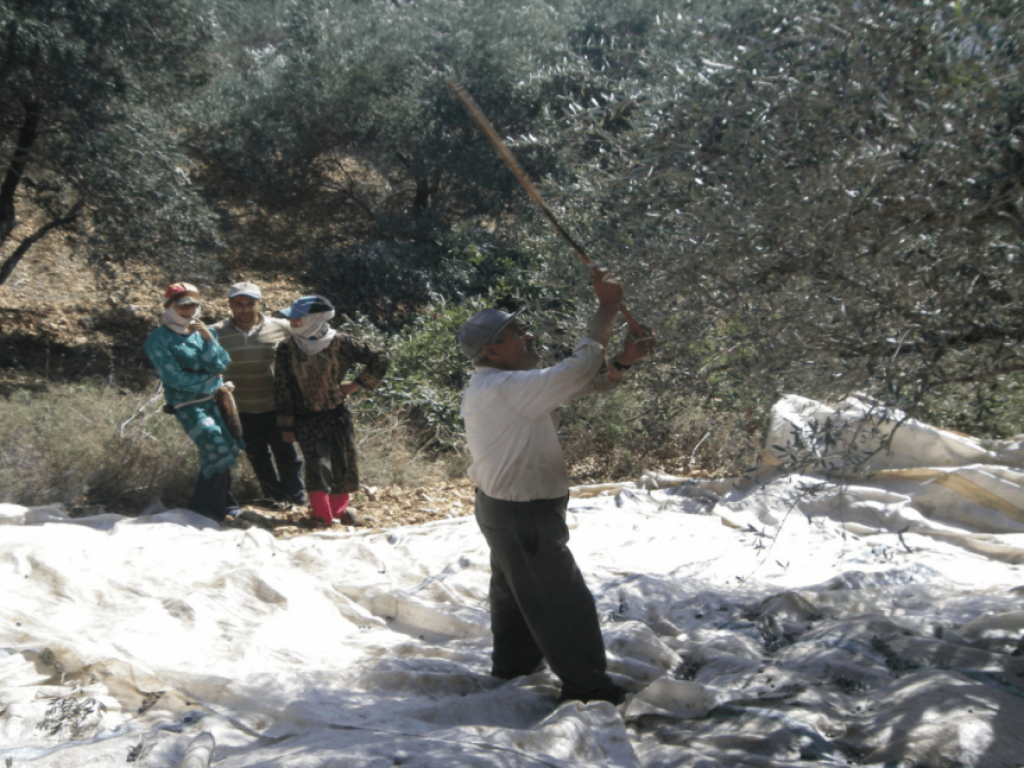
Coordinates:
column 524, row 181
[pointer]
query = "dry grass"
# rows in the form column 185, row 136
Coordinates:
column 94, row 446
column 390, row 454
column 86, row 445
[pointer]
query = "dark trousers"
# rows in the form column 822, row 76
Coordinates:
column 212, row 496
column 263, row 438
column 540, row 605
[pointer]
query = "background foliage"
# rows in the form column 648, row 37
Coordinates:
column 91, row 128
column 819, row 197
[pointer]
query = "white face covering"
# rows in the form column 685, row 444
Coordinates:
column 314, row 335
column 176, row 322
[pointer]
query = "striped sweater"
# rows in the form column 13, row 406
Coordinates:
column 252, row 361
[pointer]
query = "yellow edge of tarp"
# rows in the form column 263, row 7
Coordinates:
column 955, row 482
column 960, row 484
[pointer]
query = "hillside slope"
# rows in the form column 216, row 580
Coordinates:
column 63, row 318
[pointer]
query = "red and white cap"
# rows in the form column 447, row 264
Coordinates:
column 181, row 293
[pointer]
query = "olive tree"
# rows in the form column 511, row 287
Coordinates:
column 88, row 99
column 338, row 123
column 812, row 196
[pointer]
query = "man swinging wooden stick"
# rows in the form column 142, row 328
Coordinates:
column 541, row 609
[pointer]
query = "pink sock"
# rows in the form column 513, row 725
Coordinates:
column 339, row 503
column 320, row 506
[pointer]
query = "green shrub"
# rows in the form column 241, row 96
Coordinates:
column 390, row 281
column 426, row 376
column 630, row 430
column 428, row 371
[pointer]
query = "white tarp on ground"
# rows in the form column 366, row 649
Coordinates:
column 782, row 620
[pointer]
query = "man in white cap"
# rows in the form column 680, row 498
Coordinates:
column 250, row 338
column 541, row 608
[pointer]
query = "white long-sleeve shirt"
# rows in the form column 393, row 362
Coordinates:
column 511, row 424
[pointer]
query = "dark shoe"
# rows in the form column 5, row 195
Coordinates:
column 255, row 518
column 236, row 521
column 347, row 518
column 247, row 519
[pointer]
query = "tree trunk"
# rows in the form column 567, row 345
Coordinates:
column 12, row 261
column 15, row 173
column 26, row 138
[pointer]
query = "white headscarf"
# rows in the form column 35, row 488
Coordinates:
column 176, row 322
column 314, row 335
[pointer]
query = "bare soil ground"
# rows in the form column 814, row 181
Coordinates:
column 376, row 508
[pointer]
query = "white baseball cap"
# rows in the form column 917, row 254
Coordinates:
column 245, row 289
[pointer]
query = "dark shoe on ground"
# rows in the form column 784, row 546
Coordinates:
column 255, row 518
column 248, row 519
column 234, row 520
column 347, row 518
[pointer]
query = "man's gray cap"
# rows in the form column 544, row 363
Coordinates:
column 245, row 289
column 480, row 330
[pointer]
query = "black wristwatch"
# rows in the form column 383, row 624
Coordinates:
column 619, row 366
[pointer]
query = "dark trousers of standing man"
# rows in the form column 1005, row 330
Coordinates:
column 540, row 606
column 263, row 438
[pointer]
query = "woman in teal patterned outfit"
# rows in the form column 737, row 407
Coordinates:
column 189, row 361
